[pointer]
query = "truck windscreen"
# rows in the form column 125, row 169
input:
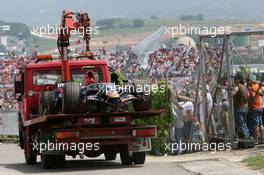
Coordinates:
column 50, row 77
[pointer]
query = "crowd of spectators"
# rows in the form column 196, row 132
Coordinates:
column 160, row 62
column 127, row 63
column 123, row 60
column 183, row 65
column 8, row 68
column 213, row 62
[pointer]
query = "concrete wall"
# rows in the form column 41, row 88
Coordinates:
column 9, row 123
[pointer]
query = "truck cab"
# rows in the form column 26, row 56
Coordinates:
column 46, row 75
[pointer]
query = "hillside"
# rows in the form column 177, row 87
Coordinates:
column 16, row 29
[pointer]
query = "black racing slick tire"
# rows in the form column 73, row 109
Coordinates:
column 71, row 97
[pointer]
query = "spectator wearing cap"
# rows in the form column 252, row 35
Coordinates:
column 255, row 122
column 240, row 99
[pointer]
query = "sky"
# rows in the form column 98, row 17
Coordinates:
column 36, row 12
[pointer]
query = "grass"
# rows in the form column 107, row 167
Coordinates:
column 8, row 139
column 126, row 31
column 39, row 44
column 255, row 163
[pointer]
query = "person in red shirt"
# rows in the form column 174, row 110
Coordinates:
column 89, row 78
column 255, row 122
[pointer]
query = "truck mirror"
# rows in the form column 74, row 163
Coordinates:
column 18, row 87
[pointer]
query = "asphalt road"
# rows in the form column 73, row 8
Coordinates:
column 12, row 163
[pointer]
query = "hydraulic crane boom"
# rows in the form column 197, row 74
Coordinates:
column 81, row 23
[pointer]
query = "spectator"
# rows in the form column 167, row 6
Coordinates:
column 241, row 97
column 186, row 105
column 255, row 122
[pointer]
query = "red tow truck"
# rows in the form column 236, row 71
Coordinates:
column 68, row 107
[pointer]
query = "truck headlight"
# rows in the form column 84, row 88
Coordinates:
column 30, row 93
column 89, row 120
column 120, row 119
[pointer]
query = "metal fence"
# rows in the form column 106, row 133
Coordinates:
column 245, row 49
column 9, row 124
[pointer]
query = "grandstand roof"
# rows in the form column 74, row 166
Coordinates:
column 185, row 41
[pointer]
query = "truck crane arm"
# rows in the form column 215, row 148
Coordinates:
column 81, row 23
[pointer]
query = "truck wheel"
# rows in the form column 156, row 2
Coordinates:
column 59, row 161
column 21, row 139
column 71, row 97
column 124, row 156
column 110, row 156
column 139, row 158
column 47, row 161
column 31, row 159
column 21, row 132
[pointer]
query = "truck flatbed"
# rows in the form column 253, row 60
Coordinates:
column 36, row 119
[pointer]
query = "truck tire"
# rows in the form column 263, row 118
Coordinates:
column 30, row 158
column 124, row 156
column 59, row 161
column 21, row 138
column 110, row 156
column 71, row 97
column 47, row 161
column 139, row 158
column 21, row 131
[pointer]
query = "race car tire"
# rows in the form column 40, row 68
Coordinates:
column 71, row 97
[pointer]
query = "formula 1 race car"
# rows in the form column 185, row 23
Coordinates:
column 71, row 97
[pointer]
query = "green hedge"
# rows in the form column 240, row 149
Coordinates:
column 159, row 101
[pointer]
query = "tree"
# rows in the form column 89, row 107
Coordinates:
column 137, row 23
column 243, row 71
column 153, row 17
column 106, row 23
column 200, row 17
column 159, row 101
